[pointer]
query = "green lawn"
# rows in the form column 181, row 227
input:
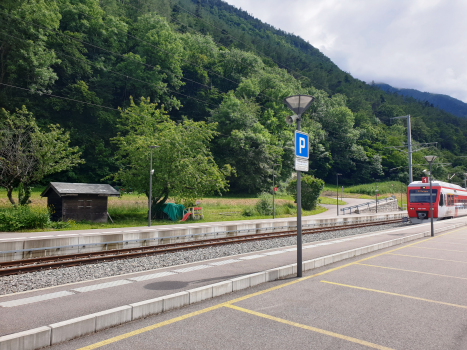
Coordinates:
column 130, row 210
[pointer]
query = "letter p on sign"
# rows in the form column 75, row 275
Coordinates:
column 301, row 145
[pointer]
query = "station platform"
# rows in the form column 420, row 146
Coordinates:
column 351, row 297
column 17, row 246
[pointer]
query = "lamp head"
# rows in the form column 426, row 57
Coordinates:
column 299, row 103
column 430, row 159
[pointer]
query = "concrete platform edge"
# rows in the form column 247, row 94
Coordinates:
column 42, row 336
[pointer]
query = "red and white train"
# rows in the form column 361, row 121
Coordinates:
column 449, row 201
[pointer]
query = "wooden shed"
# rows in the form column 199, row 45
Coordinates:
column 78, row 201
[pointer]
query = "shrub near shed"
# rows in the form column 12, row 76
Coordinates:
column 311, row 189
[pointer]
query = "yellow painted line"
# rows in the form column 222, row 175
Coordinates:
column 424, row 257
column 446, row 250
column 425, row 273
column 331, row 270
column 180, row 318
column 459, row 245
column 309, row 328
column 396, row 294
column 150, row 328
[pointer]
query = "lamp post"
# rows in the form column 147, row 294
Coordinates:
column 465, row 180
column 402, row 204
column 298, row 104
column 151, row 172
column 273, row 191
column 376, row 196
column 430, row 160
column 337, row 178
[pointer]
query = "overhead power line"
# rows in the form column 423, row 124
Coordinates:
column 233, row 37
column 106, row 50
column 187, row 61
column 120, row 74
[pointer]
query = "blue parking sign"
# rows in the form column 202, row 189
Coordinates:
column 302, row 146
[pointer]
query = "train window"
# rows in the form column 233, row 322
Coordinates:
column 422, row 196
column 441, row 200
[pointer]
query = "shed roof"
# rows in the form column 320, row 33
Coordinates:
column 70, row 189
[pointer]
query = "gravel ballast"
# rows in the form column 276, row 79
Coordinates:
column 55, row 277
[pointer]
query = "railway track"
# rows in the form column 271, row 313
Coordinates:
column 52, row 262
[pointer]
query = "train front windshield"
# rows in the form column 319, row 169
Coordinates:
column 422, row 196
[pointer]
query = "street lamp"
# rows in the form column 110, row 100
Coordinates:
column 298, row 104
column 337, row 178
column 430, row 160
column 465, row 180
column 376, row 195
column 151, row 172
column 273, row 192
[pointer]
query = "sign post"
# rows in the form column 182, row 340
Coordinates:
column 299, row 104
column 302, row 151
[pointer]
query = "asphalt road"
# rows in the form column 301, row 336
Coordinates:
column 405, row 297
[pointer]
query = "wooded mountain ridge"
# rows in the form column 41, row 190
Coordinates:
column 446, row 103
column 83, row 64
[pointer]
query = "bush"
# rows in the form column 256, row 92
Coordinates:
column 264, row 204
column 61, row 224
column 248, row 211
column 23, row 217
column 311, row 189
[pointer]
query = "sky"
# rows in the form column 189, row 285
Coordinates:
column 418, row 44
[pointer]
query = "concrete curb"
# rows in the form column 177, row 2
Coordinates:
column 74, row 328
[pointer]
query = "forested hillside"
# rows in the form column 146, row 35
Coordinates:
column 444, row 102
column 80, row 63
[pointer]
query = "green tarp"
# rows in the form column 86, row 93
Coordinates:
column 174, row 211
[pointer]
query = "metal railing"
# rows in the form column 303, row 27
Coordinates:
column 368, row 204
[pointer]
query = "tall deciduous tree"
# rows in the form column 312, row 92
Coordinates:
column 183, row 165
column 28, row 154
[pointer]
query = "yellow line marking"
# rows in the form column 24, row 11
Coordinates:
column 459, row 245
column 149, row 328
column 317, row 330
column 424, row 257
column 425, row 273
column 396, row 294
column 446, row 250
column 180, row 318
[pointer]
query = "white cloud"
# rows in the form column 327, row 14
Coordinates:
column 418, row 44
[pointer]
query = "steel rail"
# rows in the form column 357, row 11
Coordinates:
column 36, row 264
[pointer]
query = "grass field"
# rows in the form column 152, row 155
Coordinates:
column 130, row 210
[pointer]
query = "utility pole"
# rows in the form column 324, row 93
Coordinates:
column 409, row 145
column 337, row 190
column 273, row 192
column 151, row 172
column 376, row 195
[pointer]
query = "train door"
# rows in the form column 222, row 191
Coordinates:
column 442, row 205
column 456, row 206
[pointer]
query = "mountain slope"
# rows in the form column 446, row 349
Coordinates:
column 444, row 102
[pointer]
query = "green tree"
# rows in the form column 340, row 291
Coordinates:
column 311, row 189
column 28, row 154
column 184, row 167
column 245, row 144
